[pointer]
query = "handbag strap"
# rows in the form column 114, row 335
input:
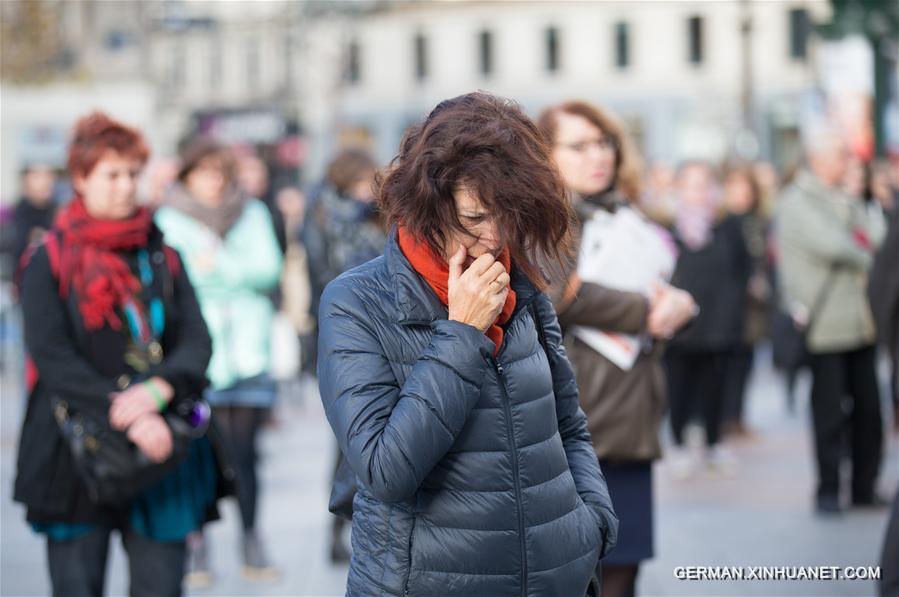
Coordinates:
column 822, row 295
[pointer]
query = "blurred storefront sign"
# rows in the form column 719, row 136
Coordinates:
column 846, row 72
column 255, row 127
column 252, row 126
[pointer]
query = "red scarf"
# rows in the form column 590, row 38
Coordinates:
column 435, row 271
column 90, row 264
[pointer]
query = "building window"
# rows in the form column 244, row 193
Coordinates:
column 119, row 40
column 694, row 37
column 215, row 63
column 421, row 57
column 800, row 27
column 176, row 71
column 353, row 72
column 253, row 65
column 485, row 53
column 622, row 46
column 552, row 49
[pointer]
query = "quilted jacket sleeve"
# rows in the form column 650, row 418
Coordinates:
column 588, row 478
column 392, row 435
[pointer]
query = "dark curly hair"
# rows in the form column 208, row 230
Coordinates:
column 488, row 146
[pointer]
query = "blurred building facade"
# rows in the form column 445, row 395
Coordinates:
column 227, row 69
column 692, row 79
column 59, row 61
column 172, row 68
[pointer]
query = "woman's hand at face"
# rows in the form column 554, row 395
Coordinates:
column 476, row 295
column 152, row 436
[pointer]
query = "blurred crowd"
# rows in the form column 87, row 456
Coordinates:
column 761, row 256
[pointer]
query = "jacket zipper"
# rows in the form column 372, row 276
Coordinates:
column 507, row 406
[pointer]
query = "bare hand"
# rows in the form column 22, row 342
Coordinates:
column 670, row 309
column 759, row 288
column 152, row 436
column 477, row 295
column 128, row 406
column 572, row 287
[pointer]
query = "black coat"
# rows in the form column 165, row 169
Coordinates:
column 339, row 233
column 717, row 276
column 85, row 367
column 28, row 220
column 476, row 473
column 883, row 290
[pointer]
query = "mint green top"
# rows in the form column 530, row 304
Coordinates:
column 231, row 276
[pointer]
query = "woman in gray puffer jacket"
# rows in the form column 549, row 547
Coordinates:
column 443, row 375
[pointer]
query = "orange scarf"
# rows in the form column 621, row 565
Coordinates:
column 435, row 271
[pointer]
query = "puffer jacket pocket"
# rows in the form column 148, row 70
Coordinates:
column 598, row 531
column 410, row 569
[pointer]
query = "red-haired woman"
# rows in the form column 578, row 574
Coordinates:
column 443, row 376
column 114, row 332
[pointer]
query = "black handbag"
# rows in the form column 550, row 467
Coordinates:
column 111, row 467
column 343, row 490
column 789, row 337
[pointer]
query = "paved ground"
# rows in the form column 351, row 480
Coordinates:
column 761, row 517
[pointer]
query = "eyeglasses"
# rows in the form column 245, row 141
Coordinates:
column 603, row 144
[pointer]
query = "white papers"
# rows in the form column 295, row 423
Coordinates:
column 625, row 252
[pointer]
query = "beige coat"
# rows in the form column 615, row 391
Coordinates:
column 815, row 230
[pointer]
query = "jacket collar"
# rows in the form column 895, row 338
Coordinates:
column 810, row 183
column 416, row 303
column 820, row 197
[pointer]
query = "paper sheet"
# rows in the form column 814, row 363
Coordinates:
column 623, row 251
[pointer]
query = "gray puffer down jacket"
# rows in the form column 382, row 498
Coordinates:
column 476, row 474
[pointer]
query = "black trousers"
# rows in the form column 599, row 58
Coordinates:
column 239, row 426
column 78, row 566
column 696, row 383
column 835, row 376
column 739, row 368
